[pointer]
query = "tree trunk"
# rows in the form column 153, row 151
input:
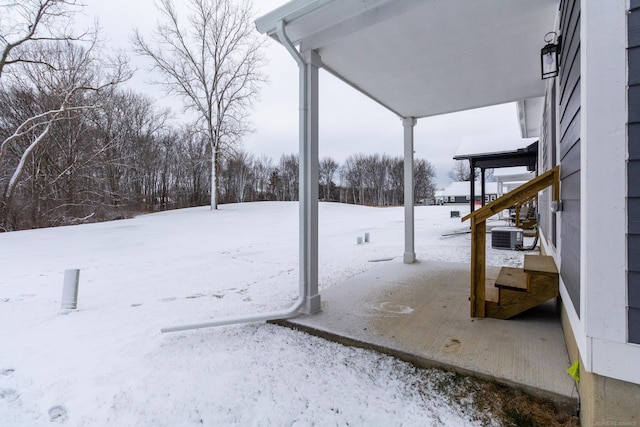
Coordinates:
column 214, row 179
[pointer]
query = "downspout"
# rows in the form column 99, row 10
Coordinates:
column 302, row 292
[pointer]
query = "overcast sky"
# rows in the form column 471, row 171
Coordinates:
column 349, row 122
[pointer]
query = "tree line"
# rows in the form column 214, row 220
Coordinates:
column 125, row 157
column 76, row 146
column 373, row 180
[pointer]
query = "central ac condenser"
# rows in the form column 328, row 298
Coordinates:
column 506, row 238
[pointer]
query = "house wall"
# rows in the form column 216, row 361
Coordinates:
column 596, row 117
column 546, row 161
column 570, row 147
column 633, row 172
column 603, row 327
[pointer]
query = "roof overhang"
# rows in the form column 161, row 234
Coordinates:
column 422, row 58
column 527, row 156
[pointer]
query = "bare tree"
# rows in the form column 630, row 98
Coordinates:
column 262, row 172
column 236, row 177
column 28, row 22
column 193, row 161
column 74, row 76
column 289, row 176
column 424, row 181
column 327, row 171
column 461, row 171
column 212, row 61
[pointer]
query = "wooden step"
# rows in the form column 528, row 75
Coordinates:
column 491, row 293
column 523, row 288
column 513, row 278
column 540, row 264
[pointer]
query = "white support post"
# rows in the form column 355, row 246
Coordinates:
column 309, row 186
column 409, row 222
column 603, row 190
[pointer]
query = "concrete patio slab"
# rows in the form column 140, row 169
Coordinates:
column 420, row 313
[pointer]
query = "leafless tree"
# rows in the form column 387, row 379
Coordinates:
column 378, row 180
column 71, row 84
column 424, row 181
column 461, row 171
column 193, row 161
column 236, row 175
column 262, row 172
column 26, row 23
column 396, row 181
column 212, row 60
column 289, row 176
column 58, row 69
column 327, row 171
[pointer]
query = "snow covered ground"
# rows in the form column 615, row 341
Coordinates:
column 107, row 363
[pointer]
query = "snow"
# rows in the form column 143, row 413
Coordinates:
column 107, row 363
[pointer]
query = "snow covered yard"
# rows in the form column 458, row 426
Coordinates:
column 108, row 364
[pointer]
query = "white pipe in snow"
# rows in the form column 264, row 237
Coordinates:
column 70, row 289
column 293, row 310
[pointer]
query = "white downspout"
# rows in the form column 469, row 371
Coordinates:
column 293, row 310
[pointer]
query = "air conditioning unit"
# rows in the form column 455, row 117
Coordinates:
column 506, row 238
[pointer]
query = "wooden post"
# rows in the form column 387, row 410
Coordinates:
column 472, row 293
column 483, row 187
column 556, row 183
column 472, row 189
column 478, row 275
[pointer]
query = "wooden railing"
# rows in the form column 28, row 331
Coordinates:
column 479, row 229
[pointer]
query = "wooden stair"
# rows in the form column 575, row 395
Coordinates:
column 519, row 289
column 478, row 218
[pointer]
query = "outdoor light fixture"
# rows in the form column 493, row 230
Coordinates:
column 549, row 55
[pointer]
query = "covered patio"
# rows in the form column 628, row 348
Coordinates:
column 420, row 59
column 416, row 58
column 419, row 313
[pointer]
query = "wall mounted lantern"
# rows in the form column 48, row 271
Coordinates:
column 549, row 55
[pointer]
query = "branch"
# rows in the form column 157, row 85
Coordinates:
column 36, row 15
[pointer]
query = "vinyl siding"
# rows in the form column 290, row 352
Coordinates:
column 633, row 173
column 569, row 137
column 547, row 161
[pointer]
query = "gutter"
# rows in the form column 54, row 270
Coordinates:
column 302, row 292
column 268, row 24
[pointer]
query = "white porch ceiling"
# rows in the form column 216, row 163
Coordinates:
column 422, row 58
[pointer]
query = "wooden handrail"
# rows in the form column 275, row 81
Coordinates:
column 479, row 230
column 520, row 195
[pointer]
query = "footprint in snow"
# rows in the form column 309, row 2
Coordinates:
column 58, row 414
column 194, row 296
column 9, row 394
column 7, row 372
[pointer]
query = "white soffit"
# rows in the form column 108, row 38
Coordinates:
column 422, row 58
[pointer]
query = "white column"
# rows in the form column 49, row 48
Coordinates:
column 409, row 222
column 309, row 185
column 603, row 41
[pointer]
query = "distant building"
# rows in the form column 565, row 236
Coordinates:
column 458, row 193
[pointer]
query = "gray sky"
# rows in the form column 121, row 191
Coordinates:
column 349, row 122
